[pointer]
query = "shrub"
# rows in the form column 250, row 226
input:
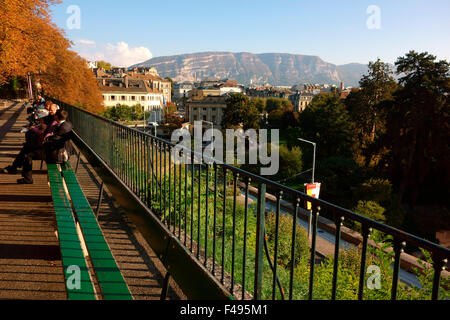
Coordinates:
column 370, row 209
column 285, row 239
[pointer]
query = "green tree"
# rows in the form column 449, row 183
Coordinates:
column 327, row 123
column 290, row 162
column 240, row 112
column 137, row 112
column 260, row 104
column 418, row 131
column 367, row 108
column 381, row 191
column 275, row 118
column 370, row 209
column 340, row 176
column 277, row 103
column 104, row 65
column 377, row 86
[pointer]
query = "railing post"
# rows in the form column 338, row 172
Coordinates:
column 316, row 213
column 260, row 225
column 438, row 265
column 100, row 198
column 398, row 250
column 366, row 234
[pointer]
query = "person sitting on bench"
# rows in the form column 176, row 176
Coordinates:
column 56, row 148
column 34, row 138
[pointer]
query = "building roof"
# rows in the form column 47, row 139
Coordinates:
column 208, row 100
column 128, row 90
column 140, row 76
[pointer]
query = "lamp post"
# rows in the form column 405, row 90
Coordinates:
column 212, row 128
column 143, row 118
column 212, row 142
column 314, row 157
column 312, row 181
column 154, row 124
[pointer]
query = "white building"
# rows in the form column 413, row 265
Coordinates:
column 92, row 64
column 181, row 90
column 225, row 90
column 209, row 109
column 133, row 92
column 300, row 100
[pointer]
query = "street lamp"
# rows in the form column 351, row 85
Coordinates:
column 314, row 157
column 154, row 124
column 143, row 118
column 212, row 128
column 313, row 181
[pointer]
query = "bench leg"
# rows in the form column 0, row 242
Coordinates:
column 100, row 198
column 78, row 161
column 165, row 287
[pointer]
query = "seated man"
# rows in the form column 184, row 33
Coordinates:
column 34, row 138
column 56, row 148
column 39, row 103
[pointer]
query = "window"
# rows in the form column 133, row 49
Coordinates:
column 204, row 118
column 124, row 98
column 113, row 98
column 104, row 97
column 133, row 98
column 143, row 98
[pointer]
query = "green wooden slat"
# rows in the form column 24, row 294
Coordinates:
column 70, row 246
column 108, row 273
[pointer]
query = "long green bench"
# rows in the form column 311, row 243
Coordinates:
column 71, row 252
column 112, row 284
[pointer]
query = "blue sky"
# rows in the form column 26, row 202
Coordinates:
column 131, row 31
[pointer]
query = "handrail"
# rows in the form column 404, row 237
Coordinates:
column 137, row 158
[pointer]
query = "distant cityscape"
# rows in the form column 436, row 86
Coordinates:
column 203, row 100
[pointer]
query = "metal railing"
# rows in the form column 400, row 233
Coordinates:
column 209, row 210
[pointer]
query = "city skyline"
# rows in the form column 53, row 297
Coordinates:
column 339, row 33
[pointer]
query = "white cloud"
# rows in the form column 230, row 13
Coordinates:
column 84, row 42
column 122, row 55
column 119, row 54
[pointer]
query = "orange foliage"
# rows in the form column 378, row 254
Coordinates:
column 70, row 80
column 31, row 43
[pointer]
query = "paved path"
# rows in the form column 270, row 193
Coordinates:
column 30, row 265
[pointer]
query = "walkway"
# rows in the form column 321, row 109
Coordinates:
column 30, row 265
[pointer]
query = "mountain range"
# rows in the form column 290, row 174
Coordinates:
column 280, row 69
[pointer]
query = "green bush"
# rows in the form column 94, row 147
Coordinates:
column 370, row 209
column 285, row 239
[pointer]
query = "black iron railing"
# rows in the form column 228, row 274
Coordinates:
column 252, row 253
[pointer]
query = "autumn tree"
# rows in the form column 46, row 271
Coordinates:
column 26, row 32
column 70, row 80
column 30, row 43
